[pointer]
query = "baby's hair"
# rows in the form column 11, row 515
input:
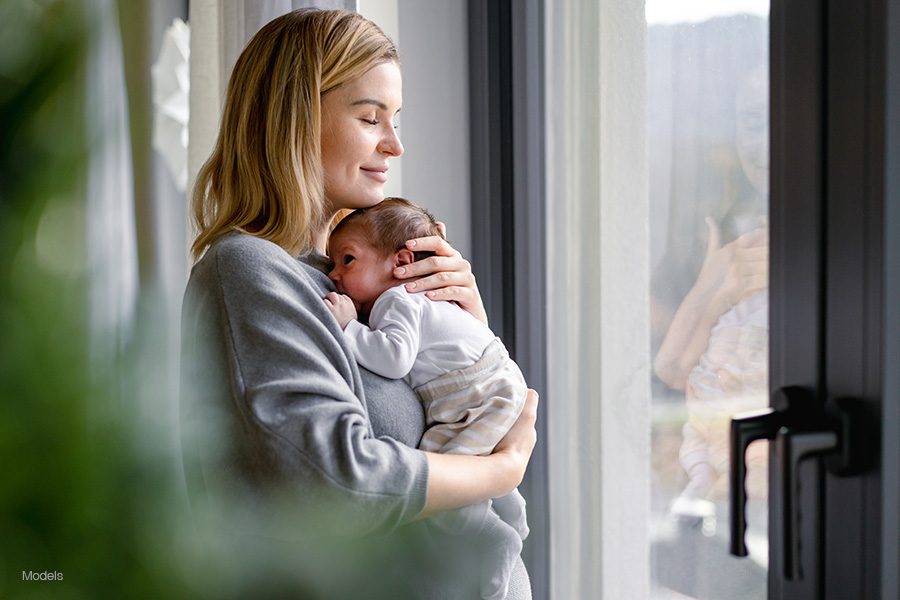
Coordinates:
column 391, row 223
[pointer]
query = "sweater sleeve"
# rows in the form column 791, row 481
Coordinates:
column 390, row 344
column 296, row 394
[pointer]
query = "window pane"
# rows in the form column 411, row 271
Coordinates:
column 708, row 156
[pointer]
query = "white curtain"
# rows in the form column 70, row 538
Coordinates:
column 111, row 237
column 597, row 278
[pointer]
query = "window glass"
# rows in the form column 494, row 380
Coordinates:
column 708, row 157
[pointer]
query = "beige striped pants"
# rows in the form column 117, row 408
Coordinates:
column 469, row 410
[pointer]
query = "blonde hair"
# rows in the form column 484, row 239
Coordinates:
column 391, row 223
column 264, row 176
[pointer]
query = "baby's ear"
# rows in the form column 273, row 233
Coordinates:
column 403, row 257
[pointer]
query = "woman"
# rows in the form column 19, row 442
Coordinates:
column 307, row 131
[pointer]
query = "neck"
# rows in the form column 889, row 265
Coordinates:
column 322, row 238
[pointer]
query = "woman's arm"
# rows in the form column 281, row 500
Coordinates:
column 456, row 480
column 445, row 276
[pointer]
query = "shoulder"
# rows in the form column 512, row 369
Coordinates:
column 396, row 296
column 242, row 261
column 242, row 253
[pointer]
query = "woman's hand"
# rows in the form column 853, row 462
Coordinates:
column 519, row 441
column 730, row 273
column 736, row 270
column 457, row 480
column 445, row 276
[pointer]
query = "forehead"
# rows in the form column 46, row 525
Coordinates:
column 349, row 234
column 381, row 87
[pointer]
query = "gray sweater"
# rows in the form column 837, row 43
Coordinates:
column 286, row 438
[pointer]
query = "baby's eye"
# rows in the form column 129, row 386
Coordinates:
column 370, row 121
column 348, row 259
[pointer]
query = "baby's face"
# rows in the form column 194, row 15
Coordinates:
column 360, row 271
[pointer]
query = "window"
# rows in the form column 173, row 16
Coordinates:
column 657, row 118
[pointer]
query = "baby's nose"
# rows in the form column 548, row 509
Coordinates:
column 334, row 275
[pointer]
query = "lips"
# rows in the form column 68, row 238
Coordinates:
column 379, row 174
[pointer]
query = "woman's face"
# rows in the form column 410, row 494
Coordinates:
column 359, row 137
column 752, row 106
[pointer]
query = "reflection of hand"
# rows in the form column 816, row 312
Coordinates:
column 341, row 306
column 729, row 274
column 446, row 276
column 736, row 270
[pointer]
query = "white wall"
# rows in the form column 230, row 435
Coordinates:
column 434, row 124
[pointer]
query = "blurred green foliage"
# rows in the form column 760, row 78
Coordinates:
column 74, row 492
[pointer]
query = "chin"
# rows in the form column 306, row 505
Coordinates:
column 354, row 201
column 365, row 202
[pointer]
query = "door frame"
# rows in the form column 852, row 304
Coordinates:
column 833, row 134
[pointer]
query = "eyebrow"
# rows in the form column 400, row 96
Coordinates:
column 371, row 101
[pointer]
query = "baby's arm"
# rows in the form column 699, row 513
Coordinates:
column 390, row 344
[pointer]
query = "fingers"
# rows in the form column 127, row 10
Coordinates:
column 445, row 276
column 437, row 272
column 445, row 279
column 752, row 253
column 433, row 243
column 532, row 399
column 527, row 421
column 756, row 237
column 522, row 436
column 331, row 300
column 341, row 306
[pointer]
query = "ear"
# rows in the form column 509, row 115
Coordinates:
column 403, row 257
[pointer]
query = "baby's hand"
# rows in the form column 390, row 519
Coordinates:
column 341, row 306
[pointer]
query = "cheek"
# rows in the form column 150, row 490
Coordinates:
column 336, row 153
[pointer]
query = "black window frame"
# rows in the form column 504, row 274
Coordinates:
column 506, row 84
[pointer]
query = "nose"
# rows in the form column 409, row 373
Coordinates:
column 334, row 275
column 390, row 143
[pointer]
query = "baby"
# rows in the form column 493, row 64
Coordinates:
column 730, row 377
column 471, row 390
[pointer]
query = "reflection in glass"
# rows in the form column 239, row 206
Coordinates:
column 709, row 169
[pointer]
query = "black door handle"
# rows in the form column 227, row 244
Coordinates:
column 788, row 404
column 746, row 428
column 802, row 428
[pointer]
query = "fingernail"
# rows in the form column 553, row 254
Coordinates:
column 411, row 286
column 411, row 243
column 400, row 270
column 430, row 294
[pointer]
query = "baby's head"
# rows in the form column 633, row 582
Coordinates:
column 369, row 243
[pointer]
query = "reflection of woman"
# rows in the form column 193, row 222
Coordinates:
column 307, row 130
column 715, row 351
column 731, row 271
column 716, row 346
